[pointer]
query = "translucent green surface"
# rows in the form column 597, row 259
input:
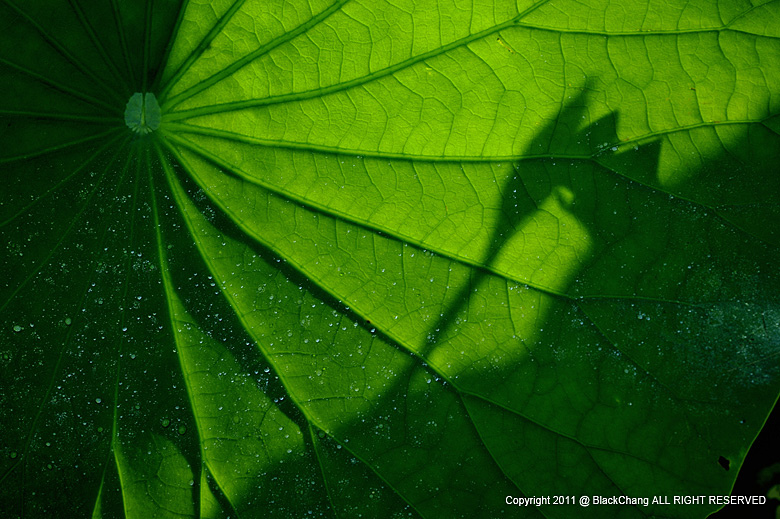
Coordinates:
column 384, row 259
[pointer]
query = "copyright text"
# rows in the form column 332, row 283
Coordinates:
column 584, row 501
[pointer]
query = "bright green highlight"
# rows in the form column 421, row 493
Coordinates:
column 384, row 258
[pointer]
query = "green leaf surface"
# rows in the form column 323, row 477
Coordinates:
column 347, row 258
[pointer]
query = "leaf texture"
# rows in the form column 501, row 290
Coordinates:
column 385, row 259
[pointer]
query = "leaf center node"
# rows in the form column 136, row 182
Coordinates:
column 142, row 113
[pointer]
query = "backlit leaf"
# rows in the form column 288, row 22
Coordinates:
column 348, row 258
